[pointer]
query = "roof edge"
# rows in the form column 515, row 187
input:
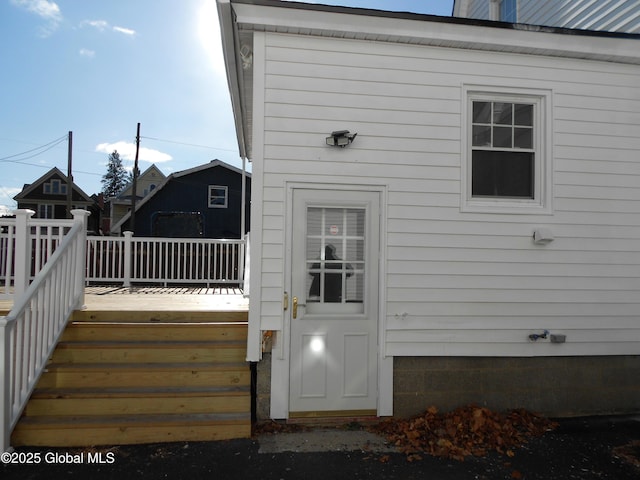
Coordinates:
column 370, row 12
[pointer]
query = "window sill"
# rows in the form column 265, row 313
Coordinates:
column 524, row 207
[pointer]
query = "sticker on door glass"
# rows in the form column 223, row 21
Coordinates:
column 333, row 230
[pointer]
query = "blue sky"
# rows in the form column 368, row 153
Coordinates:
column 98, row 67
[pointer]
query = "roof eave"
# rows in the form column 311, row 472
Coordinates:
column 412, row 28
column 229, row 35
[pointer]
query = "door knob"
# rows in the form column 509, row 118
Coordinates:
column 295, row 307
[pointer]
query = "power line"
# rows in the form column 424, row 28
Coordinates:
column 48, row 167
column 43, row 148
column 190, row 144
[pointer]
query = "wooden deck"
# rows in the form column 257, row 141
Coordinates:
column 187, row 299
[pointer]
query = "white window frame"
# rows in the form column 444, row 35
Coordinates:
column 226, row 196
column 541, row 203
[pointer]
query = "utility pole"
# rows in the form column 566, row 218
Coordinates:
column 69, row 175
column 134, row 184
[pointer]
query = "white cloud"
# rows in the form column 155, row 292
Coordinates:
column 5, row 210
column 49, row 11
column 127, row 151
column 101, row 25
column 6, row 197
column 42, row 8
column 85, row 52
column 126, row 31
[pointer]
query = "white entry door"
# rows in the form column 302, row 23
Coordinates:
column 334, row 314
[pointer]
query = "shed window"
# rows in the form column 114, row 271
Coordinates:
column 218, row 196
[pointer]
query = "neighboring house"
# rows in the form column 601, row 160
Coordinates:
column 47, row 197
column 607, row 15
column 477, row 241
column 203, row 201
column 145, row 184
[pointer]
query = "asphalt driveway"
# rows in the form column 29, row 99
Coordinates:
column 603, row 448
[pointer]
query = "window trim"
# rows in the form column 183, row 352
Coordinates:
column 541, row 99
column 226, row 196
column 48, row 187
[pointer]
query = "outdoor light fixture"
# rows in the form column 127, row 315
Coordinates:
column 542, row 236
column 341, row 138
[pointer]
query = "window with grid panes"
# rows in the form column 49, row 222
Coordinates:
column 503, row 155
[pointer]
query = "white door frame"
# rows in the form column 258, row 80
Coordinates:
column 281, row 348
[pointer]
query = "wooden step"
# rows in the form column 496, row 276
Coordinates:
column 137, row 401
column 79, row 331
column 139, row 382
column 163, row 316
column 149, row 352
column 144, row 375
column 54, row 431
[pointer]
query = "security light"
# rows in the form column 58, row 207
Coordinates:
column 340, row 138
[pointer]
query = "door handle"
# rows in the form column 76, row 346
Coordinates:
column 295, row 307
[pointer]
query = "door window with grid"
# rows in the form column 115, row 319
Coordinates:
column 335, row 258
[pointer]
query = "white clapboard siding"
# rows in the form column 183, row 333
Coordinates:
column 607, row 15
column 460, row 283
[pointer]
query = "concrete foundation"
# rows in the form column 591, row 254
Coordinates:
column 553, row 386
column 263, row 388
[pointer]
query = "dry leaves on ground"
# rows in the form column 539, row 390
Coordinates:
column 271, row 427
column 466, row 431
column 629, row 453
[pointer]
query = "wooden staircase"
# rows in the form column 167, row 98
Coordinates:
column 177, row 376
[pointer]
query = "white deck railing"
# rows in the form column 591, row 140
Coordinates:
column 29, row 334
column 59, row 257
column 164, row 260
column 25, row 246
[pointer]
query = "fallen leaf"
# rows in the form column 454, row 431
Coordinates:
column 466, row 431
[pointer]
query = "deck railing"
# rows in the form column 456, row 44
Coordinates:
column 25, row 246
column 164, row 261
column 58, row 256
column 29, row 334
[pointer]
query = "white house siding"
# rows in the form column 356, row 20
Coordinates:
column 463, row 284
column 607, row 15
